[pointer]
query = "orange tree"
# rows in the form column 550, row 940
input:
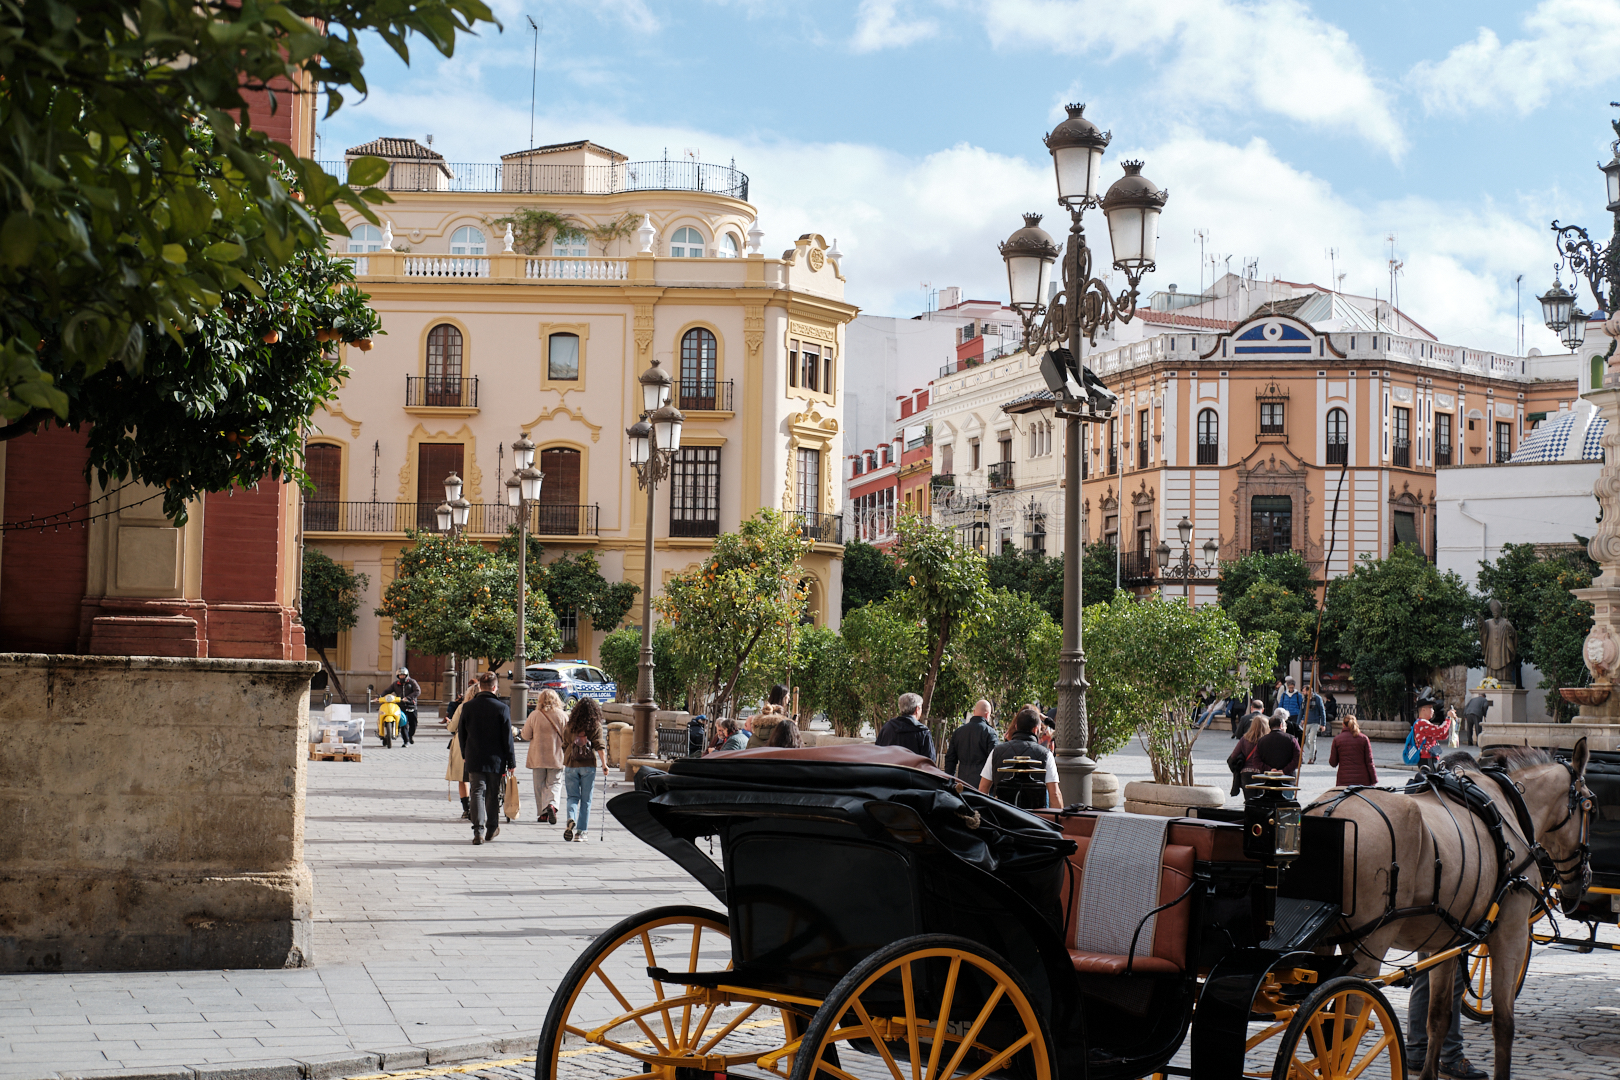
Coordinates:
column 943, row 586
column 732, row 614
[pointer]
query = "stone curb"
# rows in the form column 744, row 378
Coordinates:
column 327, row 1066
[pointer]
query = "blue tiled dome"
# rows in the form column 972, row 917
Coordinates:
column 1569, row 436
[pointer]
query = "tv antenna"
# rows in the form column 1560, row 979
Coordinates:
column 534, row 74
column 1333, row 263
column 1202, row 236
column 1394, row 287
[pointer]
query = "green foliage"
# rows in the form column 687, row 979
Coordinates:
column 222, row 407
column 1552, row 624
column 732, row 614
column 330, row 604
column 1266, row 605
column 869, row 575
column 453, row 596
column 881, row 655
column 1009, row 654
column 1040, row 577
column 533, row 227
column 945, row 587
column 133, row 200
column 1286, row 569
column 620, row 228
column 1397, row 619
column 1149, row 660
column 574, row 579
column 621, row 659
column 815, row 652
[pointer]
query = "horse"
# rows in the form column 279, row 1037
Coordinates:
column 1423, row 871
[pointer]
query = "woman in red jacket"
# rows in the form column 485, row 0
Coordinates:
column 1352, row 753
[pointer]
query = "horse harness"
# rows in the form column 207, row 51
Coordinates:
column 1458, row 786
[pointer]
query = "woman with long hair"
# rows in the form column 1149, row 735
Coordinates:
column 1352, row 754
column 583, row 747
column 543, row 731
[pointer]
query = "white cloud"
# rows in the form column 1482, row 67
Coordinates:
column 902, row 219
column 1274, row 56
column 880, row 25
column 1568, row 44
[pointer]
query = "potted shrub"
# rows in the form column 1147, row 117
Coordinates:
column 1151, row 661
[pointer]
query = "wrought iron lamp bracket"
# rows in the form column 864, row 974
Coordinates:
column 1097, row 306
column 1591, row 260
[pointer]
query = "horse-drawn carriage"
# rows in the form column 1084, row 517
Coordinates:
column 880, row 921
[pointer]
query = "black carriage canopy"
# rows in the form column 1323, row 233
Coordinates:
column 884, row 791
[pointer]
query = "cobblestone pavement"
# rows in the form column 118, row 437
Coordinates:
column 447, row 952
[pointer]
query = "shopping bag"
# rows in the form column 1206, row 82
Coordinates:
column 1410, row 755
column 510, row 809
column 1454, row 740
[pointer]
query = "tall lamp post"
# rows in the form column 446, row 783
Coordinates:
column 1184, row 567
column 452, row 518
column 1078, row 311
column 654, row 440
column 522, row 490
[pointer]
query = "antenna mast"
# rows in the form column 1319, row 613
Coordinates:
column 1394, row 288
column 534, row 75
column 1202, row 236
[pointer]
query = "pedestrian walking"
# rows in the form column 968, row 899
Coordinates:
column 1010, row 770
column 1242, row 758
column 543, row 731
column 1256, row 714
column 785, row 735
column 971, row 745
column 408, row 690
column 1352, row 754
column 583, row 747
column 1453, row 1065
column 907, row 730
column 456, row 770
column 1474, row 717
column 1428, row 732
column 485, row 734
column 1292, row 702
column 1277, row 750
column 1237, row 708
column 1316, row 724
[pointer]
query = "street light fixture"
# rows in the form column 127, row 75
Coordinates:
column 1557, row 304
column 654, row 441
column 522, row 488
column 452, row 514
column 1184, row 567
column 1598, row 263
column 1575, row 333
column 1083, row 307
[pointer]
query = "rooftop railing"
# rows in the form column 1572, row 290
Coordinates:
column 547, row 179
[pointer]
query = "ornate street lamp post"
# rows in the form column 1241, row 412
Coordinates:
column 654, row 440
column 522, row 491
column 1082, row 307
column 1184, row 566
column 452, row 518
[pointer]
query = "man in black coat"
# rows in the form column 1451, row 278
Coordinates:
column 485, row 733
column 971, row 745
column 907, row 730
column 1278, row 750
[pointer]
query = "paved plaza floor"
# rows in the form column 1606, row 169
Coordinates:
column 429, row 949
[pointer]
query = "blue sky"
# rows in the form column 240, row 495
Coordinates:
column 911, row 130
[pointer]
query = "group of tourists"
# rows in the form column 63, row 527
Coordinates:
column 1284, row 738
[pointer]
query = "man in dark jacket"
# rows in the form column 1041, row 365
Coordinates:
column 485, row 733
column 408, row 690
column 907, row 730
column 1278, row 750
column 971, row 745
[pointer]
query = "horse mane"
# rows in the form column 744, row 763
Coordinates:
column 1459, row 761
column 1515, row 758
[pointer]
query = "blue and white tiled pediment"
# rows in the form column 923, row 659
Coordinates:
column 1274, row 336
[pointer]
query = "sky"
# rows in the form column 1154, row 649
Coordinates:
column 1302, row 135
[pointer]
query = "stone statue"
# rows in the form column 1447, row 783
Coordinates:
column 1501, row 644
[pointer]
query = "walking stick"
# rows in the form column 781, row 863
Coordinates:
column 601, row 831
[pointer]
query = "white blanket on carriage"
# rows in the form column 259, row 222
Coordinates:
column 1120, row 884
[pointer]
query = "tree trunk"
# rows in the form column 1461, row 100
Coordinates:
column 934, row 662
column 332, row 675
column 736, row 672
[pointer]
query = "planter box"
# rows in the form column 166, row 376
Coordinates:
column 1171, row 800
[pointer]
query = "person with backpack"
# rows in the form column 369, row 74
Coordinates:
column 543, row 731
column 583, row 748
column 1010, row 772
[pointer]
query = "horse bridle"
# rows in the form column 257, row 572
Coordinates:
column 1577, row 867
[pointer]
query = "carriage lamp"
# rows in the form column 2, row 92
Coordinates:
column 1271, row 833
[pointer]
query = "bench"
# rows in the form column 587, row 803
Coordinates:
column 1189, row 841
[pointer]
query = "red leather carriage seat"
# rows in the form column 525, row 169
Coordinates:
column 1189, row 841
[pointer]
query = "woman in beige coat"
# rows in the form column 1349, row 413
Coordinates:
column 457, row 769
column 543, row 731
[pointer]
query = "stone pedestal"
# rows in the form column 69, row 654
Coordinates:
column 1507, row 706
column 1601, row 651
column 1171, row 800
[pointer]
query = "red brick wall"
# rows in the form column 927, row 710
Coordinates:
column 241, row 545
column 42, row 576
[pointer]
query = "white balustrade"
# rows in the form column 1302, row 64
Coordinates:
column 550, row 269
column 440, row 266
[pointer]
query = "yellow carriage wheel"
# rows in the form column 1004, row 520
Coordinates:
column 929, row 1007
column 1345, row 1030
column 609, row 1018
column 1476, row 1003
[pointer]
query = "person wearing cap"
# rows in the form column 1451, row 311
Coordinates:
column 407, row 690
column 1427, row 732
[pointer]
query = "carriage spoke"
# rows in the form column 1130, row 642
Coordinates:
column 909, row 990
column 877, row 1040
column 944, row 1018
column 1378, row 1048
column 658, row 987
column 973, row 1032
column 729, row 1028
column 691, row 965
column 1001, row 1058
column 625, row 1002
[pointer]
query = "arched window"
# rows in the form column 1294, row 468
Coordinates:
column 727, row 248
column 560, row 493
column 1338, row 437
column 697, row 369
column 562, row 356
column 365, row 238
column 467, row 241
column 443, row 382
column 1209, row 437
column 1597, row 372
column 687, row 243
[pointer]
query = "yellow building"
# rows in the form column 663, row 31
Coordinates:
column 484, row 343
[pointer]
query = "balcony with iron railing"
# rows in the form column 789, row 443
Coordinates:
column 437, row 391
column 694, row 526
column 1402, row 454
column 999, row 477
column 708, row 396
column 1136, row 568
column 1442, row 453
column 819, row 528
column 940, row 481
column 529, row 178
column 1338, row 450
column 483, row 519
column 1209, row 451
